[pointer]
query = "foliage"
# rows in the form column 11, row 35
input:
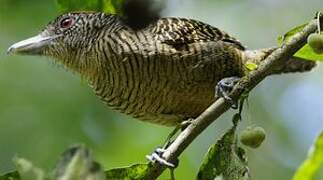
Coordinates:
column 313, row 162
column 306, row 51
column 10, row 176
column 136, row 171
column 76, row 163
column 225, row 160
column 108, row 6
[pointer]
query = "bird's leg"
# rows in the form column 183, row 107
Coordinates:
column 224, row 87
column 157, row 155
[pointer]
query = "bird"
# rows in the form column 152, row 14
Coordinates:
column 164, row 73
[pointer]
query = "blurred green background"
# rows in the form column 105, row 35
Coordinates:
column 44, row 108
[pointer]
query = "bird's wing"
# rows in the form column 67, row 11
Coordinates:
column 181, row 31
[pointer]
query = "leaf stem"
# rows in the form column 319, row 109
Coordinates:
column 318, row 22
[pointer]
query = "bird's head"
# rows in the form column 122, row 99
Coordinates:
column 68, row 38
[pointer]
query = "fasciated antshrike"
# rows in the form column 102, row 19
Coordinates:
column 164, row 73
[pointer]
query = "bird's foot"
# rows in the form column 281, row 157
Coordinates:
column 224, row 87
column 157, row 156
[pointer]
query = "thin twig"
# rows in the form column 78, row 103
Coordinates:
column 220, row 106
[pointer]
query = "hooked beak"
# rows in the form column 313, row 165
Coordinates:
column 31, row 46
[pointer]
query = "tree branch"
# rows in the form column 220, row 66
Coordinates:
column 220, row 106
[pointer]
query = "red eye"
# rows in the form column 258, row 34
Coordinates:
column 67, row 22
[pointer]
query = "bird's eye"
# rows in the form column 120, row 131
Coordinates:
column 67, row 22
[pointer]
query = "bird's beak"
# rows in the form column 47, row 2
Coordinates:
column 31, row 46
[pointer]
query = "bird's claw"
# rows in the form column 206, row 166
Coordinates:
column 157, row 156
column 224, row 87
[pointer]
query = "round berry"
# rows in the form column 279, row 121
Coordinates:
column 315, row 41
column 253, row 136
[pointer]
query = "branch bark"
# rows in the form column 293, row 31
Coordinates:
column 220, row 106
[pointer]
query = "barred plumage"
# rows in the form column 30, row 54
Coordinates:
column 164, row 73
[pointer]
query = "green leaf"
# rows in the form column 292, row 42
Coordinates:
column 136, row 171
column 286, row 37
column 10, row 176
column 108, row 6
column 313, row 162
column 305, row 52
column 225, row 160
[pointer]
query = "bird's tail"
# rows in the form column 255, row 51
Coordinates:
column 294, row 64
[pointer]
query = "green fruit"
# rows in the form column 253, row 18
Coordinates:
column 315, row 41
column 253, row 136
